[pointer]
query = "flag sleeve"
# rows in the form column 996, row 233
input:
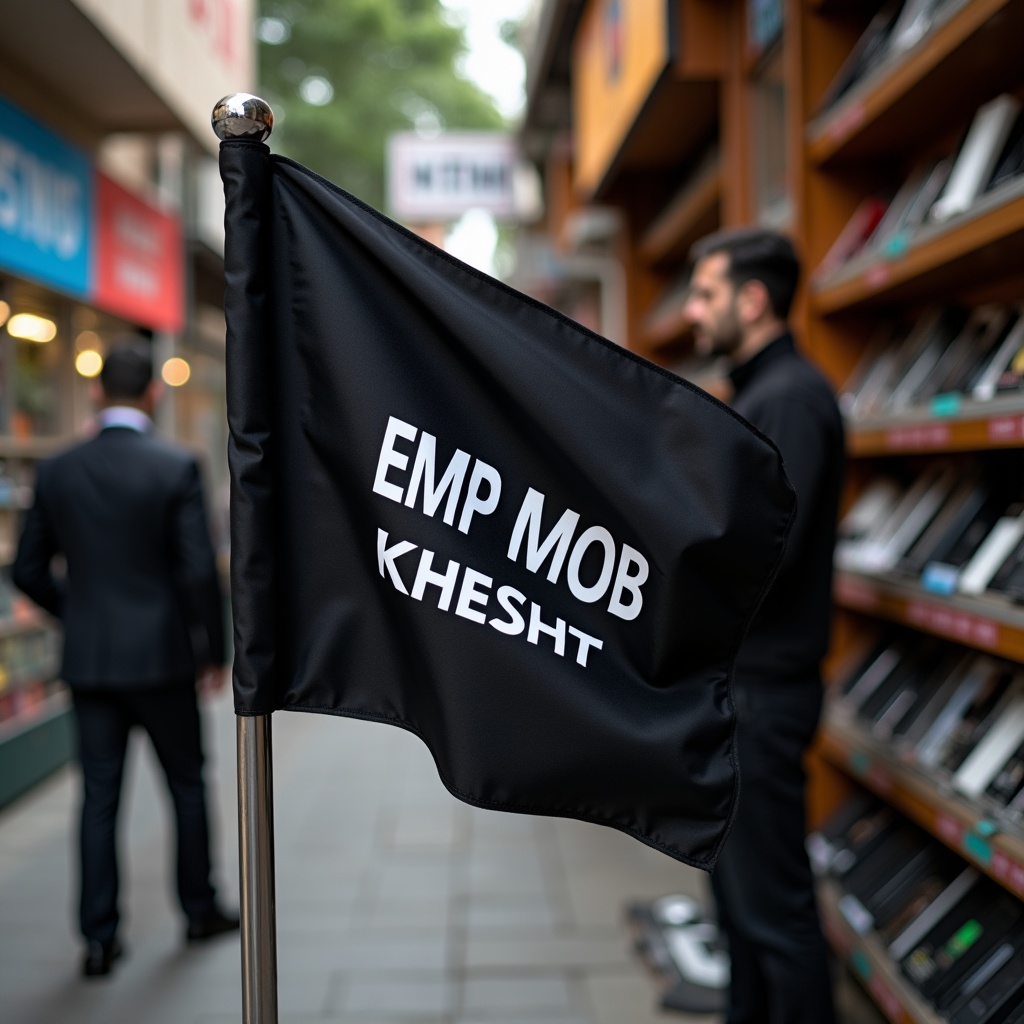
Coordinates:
column 245, row 169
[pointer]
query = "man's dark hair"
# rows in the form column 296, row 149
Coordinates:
column 127, row 370
column 757, row 255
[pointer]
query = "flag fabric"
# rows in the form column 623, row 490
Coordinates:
column 456, row 511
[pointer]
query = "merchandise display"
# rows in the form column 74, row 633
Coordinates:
column 989, row 156
column 956, row 936
column 887, row 138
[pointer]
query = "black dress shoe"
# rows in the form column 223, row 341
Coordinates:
column 216, row 922
column 100, row 957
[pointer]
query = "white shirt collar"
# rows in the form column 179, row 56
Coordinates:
column 125, row 416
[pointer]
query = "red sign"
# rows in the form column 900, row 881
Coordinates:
column 139, row 260
column 921, row 437
column 968, row 629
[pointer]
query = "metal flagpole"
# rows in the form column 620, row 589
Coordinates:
column 256, row 870
column 243, row 116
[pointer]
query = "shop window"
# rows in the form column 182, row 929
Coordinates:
column 36, row 411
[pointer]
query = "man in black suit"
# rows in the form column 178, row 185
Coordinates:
column 741, row 291
column 141, row 607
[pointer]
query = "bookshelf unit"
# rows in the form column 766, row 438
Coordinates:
column 868, row 138
column 773, row 62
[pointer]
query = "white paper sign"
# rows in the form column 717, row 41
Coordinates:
column 440, row 178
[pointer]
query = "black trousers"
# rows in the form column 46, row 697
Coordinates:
column 762, row 883
column 170, row 715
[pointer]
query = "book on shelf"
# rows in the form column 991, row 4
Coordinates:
column 941, row 574
column 976, row 161
column 979, row 718
column 939, row 332
column 996, row 986
column 1010, row 164
column 866, row 55
column 882, row 549
column 854, row 236
column 1002, row 541
column 962, row 505
column 1008, row 781
column 912, row 729
column 977, row 686
column 916, row 20
column 915, row 931
column 998, row 745
column 968, row 349
column 960, row 941
column 993, row 364
column 943, row 869
column 911, row 207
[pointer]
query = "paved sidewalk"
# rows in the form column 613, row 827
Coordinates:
column 396, row 902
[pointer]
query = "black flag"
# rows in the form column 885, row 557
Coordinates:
column 456, row 511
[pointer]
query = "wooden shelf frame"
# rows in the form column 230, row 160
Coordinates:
column 864, row 121
column 963, row 826
column 871, row 964
column 694, row 212
column 978, row 245
column 974, row 426
column 988, row 624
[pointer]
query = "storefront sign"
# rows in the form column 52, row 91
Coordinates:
column 139, row 259
column 45, row 205
column 439, row 179
column 67, row 226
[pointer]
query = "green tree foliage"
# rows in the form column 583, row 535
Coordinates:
column 342, row 75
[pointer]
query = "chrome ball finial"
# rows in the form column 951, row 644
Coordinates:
column 242, row 116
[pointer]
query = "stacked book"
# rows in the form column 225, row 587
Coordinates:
column 953, row 533
column 897, row 28
column 957, row 937
column 956, row 716
column 939, row 187
column 942, row 358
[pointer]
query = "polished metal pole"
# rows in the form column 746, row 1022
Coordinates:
column 247, row 117
column 256, row 870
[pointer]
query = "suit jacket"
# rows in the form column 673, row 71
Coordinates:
column 141, row 601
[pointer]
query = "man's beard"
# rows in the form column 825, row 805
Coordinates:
column 724, row 339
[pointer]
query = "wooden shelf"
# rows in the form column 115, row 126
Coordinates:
column 973, row 426
column 967, row 59
column 952, row 819
column 984, row 623
column 871, row 963
column 983, row 244
column 693, row 213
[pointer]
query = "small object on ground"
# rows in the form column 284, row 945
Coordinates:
column 682, row 946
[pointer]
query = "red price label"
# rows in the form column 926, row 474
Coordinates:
column 949, row 829
column 887, row 1002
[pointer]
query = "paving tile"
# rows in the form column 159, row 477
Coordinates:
column 367, row 953
column 544, row 1018
column 615, row 998
column 486, row 914
column 488, row 995
column 399, row 997
column 547, row 952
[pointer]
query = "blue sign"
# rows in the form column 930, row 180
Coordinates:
column 46, row 205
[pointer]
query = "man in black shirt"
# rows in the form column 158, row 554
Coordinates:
column 741, row 292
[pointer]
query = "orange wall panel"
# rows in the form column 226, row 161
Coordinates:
column 620, row 52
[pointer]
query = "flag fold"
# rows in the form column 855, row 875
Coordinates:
column 457, row 511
